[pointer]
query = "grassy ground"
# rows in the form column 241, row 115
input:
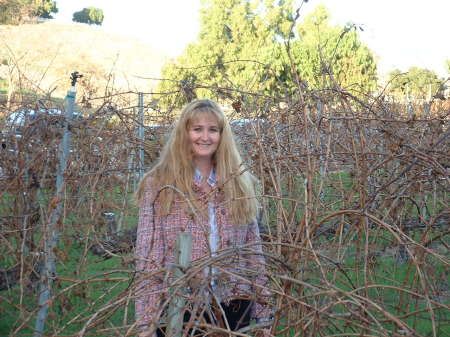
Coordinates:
column 90, row 286
column 103, row 284
column 87, row 283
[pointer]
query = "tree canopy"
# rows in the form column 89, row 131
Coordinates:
column 17, row 11
column 416, row 83
column 447, row 66
column 90, row 15
column 256, row 45
column 325, row 54
column 45, row 8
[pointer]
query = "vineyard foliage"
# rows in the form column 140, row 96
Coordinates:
column 354, row 186
column 355, row 212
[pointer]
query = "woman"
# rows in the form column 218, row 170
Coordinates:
column 199, row 186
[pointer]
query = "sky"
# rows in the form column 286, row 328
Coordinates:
column 401, row 33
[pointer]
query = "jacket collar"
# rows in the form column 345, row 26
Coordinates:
column 212, row 179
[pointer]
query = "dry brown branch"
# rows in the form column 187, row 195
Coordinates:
column 355, row 205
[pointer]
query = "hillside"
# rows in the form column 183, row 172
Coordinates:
column 44, row 55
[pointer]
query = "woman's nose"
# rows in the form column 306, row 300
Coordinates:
column 205, row 134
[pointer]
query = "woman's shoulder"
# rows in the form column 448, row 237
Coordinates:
column 148, row 187
column 152, row 184
column 148, row 182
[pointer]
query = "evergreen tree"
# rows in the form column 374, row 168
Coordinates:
column 16, row 11
column 90, row 15
column 328, row 55
column 236, row 47
column 243, row 44
column 417, row 83
column 45, row 8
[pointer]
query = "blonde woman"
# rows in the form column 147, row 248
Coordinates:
column 199, row 186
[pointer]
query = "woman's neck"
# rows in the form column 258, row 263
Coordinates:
column 204, row 166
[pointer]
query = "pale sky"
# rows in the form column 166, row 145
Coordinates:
column 401, row 33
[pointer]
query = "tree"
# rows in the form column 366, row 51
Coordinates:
column 447, row 66
column 242, row 44
column 235, row 48
column 45, row 8
column 328, row 55
column 417, row 83
column 90, row 15
column 17, row 11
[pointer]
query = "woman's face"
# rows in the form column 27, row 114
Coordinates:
column 204, row 136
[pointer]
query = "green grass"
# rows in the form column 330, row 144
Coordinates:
column 390, row 283
column 87, row 298
column 98, row 289
column 84, row 300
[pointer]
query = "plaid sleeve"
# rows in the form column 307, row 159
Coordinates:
column 149, row 254
column 257, row 262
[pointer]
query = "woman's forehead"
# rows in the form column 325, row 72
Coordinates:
column 204, row 116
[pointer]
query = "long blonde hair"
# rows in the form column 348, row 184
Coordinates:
column 175, row 166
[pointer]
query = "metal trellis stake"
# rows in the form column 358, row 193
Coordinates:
column 175, row 313
column 50, row 232
column 141, row 135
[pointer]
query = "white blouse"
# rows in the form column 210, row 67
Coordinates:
column 214, row 230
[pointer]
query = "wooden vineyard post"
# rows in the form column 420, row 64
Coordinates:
column 176, row 307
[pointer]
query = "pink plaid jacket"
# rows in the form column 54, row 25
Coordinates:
column 155, row 245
